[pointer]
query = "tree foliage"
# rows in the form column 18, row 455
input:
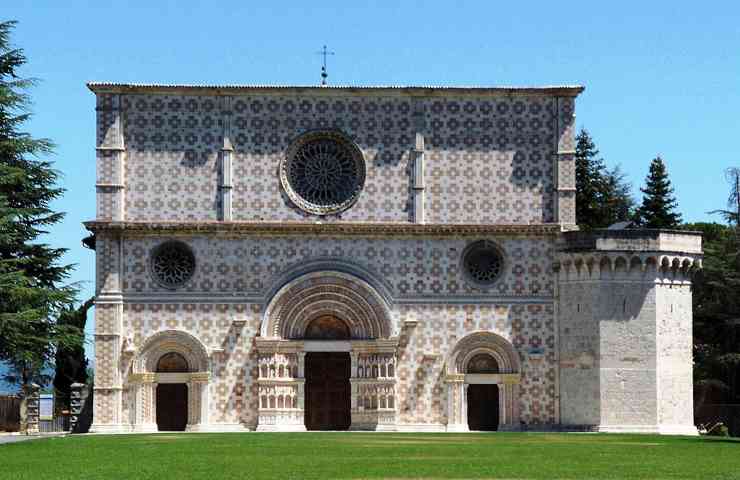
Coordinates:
column 602, row 196
column 658, row 208
column 32, row 277
column 717, row 313
column 71, row 364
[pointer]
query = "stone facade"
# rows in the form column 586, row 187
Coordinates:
column 444, row 168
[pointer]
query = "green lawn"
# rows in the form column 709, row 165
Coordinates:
column 371, row 455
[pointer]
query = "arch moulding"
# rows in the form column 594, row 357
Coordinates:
column 458, row 379
column 144, row 379
column 311, row 295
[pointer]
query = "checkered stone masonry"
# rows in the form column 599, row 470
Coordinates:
column 421, row 390
column 234, row 366
column 412, row 267
column 172, row 145
column 194, row 155
column 488, row 159
column 423, row 349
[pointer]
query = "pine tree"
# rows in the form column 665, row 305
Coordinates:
column 32, row 290
column 658, row 203
column 602, row 196
column 589, row 179
column 617, row 202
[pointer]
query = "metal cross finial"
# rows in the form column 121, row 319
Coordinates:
column 324, row 52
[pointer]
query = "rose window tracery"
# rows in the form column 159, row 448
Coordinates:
column 323, row 172
column 172, row 264
column 483, row 263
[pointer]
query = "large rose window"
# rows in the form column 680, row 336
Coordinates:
column 323, row 172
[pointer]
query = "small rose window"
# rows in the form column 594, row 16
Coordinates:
column 172, row 264
column 483, row 263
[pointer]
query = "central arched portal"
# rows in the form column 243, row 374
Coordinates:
column 327, row 358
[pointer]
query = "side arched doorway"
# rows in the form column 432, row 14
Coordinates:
column 172, row 398
column 483, row 398
column 483, row 375
column 169, row 385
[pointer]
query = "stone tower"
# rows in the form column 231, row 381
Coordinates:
column 624, row 303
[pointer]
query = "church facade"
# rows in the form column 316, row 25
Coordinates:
column 372, row 258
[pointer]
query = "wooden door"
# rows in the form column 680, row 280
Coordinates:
column 483, row 407
column 327, row 391
column 172, row 407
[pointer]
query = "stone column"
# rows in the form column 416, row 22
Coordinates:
column 301, row 364
column 198, row 402
column 30, row 409
column 457, row 420
column 145, row 402
column 354, row 386
column 76, row 402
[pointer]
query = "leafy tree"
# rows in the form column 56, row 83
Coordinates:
column 32, row 293
column 602, row 196
column 71, row 364
column 658, row 208
column 717, row 317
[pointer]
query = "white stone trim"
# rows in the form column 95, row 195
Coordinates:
column 421, row 427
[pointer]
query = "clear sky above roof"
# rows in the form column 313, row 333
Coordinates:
column 661, row 77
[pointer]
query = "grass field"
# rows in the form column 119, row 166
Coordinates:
column 372, row 455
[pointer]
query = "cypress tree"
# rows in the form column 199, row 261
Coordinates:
column 71, row 364
column 658, row 203
column 32, row 290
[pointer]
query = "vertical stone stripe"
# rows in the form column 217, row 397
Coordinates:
column 564, row 160
column 227, row 152
column 418, row 156
column 110, row 158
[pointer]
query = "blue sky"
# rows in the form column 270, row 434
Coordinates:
column 661, row 77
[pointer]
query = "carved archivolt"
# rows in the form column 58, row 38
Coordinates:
column 483, row 343
column 169, row 341
column 333, row 293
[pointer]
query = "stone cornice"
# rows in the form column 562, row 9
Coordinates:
column 634, row 240
column 334, row 229
column 331, row 90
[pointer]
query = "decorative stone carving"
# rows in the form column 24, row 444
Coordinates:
column 332, row 293
column 172, row 264
column 485, row 351
column 323, row 172
column 482, row 263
